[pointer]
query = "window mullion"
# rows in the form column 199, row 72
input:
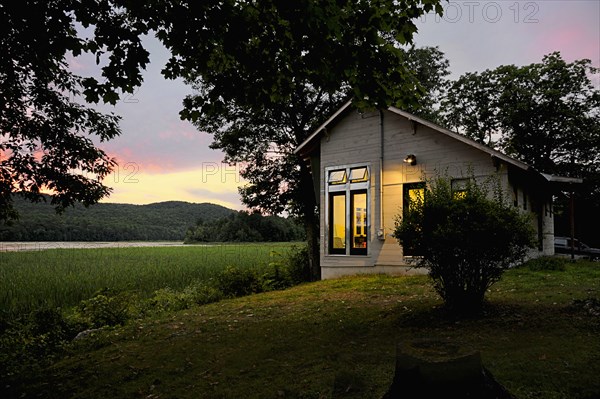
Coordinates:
column 348, row 220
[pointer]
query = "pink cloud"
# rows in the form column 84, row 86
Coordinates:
column 574, row 42
column 183, row 132
column 123, row 154
column 156, row 168
column 133, row 163
column 75, row 64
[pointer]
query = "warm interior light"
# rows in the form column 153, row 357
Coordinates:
column 411, row 159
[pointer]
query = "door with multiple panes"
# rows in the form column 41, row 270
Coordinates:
column 348, row 210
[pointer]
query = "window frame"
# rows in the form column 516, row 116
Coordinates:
column 347, row 189
column 332, row 250
column 458, row 186
column 337, row 182
column 406, row 187
column 365, row 177
column 350, row 212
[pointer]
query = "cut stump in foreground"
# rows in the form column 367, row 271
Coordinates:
column 435, row 369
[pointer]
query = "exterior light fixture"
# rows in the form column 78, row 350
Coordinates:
column 410, row 159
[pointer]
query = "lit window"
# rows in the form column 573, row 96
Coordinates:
column 413, row 197
column 338, row 223
column 359, row 175
column 459, row 188
column 337, row 177
column 348, row 210
column 359, row 223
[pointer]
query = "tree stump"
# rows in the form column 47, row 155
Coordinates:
column 435, row 369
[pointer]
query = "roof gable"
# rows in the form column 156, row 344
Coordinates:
column 336, row 116
column 308, row 145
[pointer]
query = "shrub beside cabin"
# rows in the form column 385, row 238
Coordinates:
column 367, row 166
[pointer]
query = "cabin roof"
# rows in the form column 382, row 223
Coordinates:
column 311, row 144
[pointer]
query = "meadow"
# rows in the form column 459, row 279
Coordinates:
column 337, row 339
column 54, row 278
column 329, row 339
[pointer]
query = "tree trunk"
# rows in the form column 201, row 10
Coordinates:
column 311, row 221
column 438, row 369
column 312, row 238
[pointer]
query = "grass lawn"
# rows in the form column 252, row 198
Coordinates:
column 336, row 339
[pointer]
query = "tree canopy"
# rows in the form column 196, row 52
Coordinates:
column 245, row 227
column 244, row 56
column 546, row 114
column 45, row 130
column 108, row 222
column 266, row 74
column 276, row 70
column 262, row 53
column 429, row 68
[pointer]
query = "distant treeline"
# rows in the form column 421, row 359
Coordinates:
column 245, row 227
column 108, row 222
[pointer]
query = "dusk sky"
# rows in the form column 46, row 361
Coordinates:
column 163, row 158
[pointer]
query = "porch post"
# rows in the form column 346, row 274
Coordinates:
column 572, row 223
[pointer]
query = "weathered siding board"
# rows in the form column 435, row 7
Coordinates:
column 434, row 152
column 333, row 272
column 359, row 141
column 392, row 206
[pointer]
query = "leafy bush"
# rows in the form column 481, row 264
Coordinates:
column 546, row 263
column 32, row 341
column 198, row 293
column 281, row 273
column 103, row 310
column 235, row 281
column 466, row 241
column 276, row 277
column 298, row 265
column 287, row 270
column 167, row 299
column 202, row 293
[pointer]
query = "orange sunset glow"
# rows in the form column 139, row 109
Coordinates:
column 211, row 182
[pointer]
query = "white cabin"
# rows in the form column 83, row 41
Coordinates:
column 366, row 165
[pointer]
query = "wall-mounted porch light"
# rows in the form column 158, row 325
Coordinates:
column 411, row 159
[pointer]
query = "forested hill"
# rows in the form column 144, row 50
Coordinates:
column 108, row 222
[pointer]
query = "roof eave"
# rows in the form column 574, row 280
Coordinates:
column 306, row 147
column 562, row 179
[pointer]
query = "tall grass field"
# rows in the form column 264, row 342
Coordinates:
column 63, row 277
